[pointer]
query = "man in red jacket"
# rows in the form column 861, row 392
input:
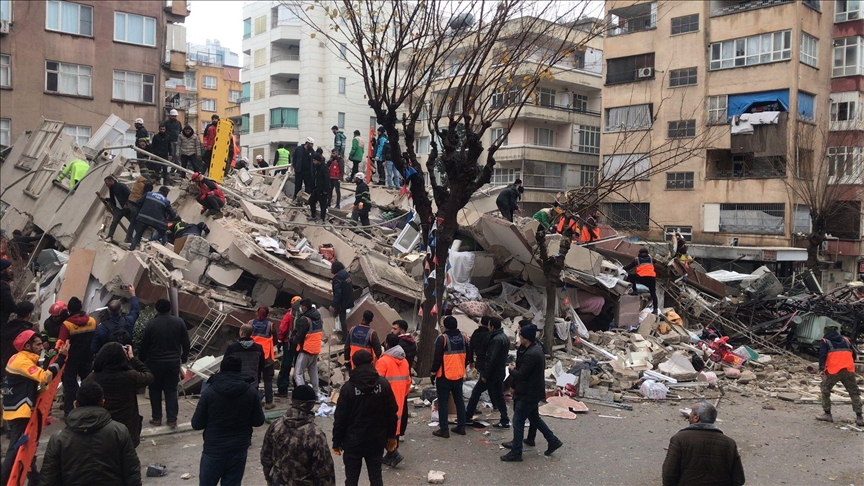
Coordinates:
column 209, row 139
column 211, row 198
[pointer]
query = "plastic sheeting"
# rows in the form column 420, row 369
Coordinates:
column 740, row 103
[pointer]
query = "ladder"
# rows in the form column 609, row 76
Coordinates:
column 204, row 334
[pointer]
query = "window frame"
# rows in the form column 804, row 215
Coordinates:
column 550, row 133
column 340, row 120
column 716, row 119
column 737, row 52
column 59, row 4
column 343, row 51
column 679, row 181
column 154, row 93
column 77, row 135
column 844, row 15
column 6, row 66
column 144, row 20
column 857, row 66
column 205, row 85
column 766, row 208
column 607, row 128
column 679, row 78
column 624, row 75
column 681, row 129
column 418, row 145
column 247, row 22
column 206, row 103
column 809, row 57
column 617, row 209
column 852, row 156
column 234, row 96
column 282, row 117
column 495, row 133
column 687, row 233
column 548, row 94
column 853, row 111
column 58, row 72
column 6, row 12
column 589, row 140
column 580, row 102
column 342, row 85
column 681, row 24
column 7, row 129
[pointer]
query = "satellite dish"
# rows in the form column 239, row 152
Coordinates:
column 461, row 21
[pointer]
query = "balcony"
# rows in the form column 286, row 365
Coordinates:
column 285, row 64
column 765, row 140
column 557, row 114
column 724, row 165
column 244, row 99
column 284, row 133
column 288, row 91
column 636, row 18
column 729, row 7
column 556, row 155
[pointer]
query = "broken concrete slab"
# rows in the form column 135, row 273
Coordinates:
column 77, row 274
column 389, row 279
column 318, row 235
column 583, row 259
column 257, row 214
column 224, row 275
column 384, row 315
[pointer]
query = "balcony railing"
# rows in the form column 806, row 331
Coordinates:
column 569, row 109
column 628, row 25
column 247, row 66
column 746, row 6
column 746, row 173
column 244, row 99
column 284, row 125
column 285, row 57
column 287, row 91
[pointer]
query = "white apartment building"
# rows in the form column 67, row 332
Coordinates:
column 295, row 86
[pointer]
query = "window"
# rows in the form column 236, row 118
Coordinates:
column 506, row 98
column 259, row 57
column 503, row 176
column 845, row 164
column 495, row 134
column 579, row 60
column 760, row 218
column 580, row 102
column 546, row 96
column 801, row 219
column 341, row 85
column 5, row 70
column 204, row 124
column 845, row 111
column 422, row 145
column 5, row 132
column 134, row 29
column 848, row 57
column 69, row 17
column 636, row 117
column 208, row 105
column 234, row 96
column 135, row 87
column 373, row 121
column 284, row 118
column 340, row 120
column 260, row 24
column 630, row 69
column 588, row 175
column 848, row 10
column 244, row 97
column 627, row 167
column 258, row 122
column 247, row 28
column 258, row 90
column 6, row 10
column 718, row 109
column 343, row 51
column 79, row 133
column 679, row 181
column 809, row 50
column 69, row 79
column 544, row 137
column 589, row 139
column 190, row 80
column 682, row 129
column 208, row 82
column 628, row 216
column 543, row 175
column 244, row 124
column 688, row 23
column 686, row 232
column 682, row 77
column 748, row 51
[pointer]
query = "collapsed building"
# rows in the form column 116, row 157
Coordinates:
column 263, row 250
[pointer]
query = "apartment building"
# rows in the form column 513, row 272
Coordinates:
column 79, row 62
column 213, row 52
column 295, row 86
column 750, row 78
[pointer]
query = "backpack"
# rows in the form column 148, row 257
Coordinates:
column 385, row 152
column 118, row 333
column 335, row 173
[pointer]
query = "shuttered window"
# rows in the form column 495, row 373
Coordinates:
column 260, row 57
column 258, row 123
column 259, row 91
column 261, row 25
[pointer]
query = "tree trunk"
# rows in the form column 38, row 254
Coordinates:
column 551, row 313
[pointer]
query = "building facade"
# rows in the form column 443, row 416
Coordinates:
column 295, row 86
column 207, row 88
column 79, row 62
column 752, row 79
column 213, row 53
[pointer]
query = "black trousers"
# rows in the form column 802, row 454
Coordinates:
column 211, row 202
column 303, row 179
column 166, row 377
column 381, row 172
column 71, row 373
column 506, row 213
column 361, row 216
column 335, row 186
column 16, row 430
column 353, row 460
column 191, row 162
column 651, row 283
column 355, row 168
column 319, row 199
column 118, row 215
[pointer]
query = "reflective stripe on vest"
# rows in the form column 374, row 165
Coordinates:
column 453, row 367
column 312, row 341
column 645, row 269
column 360, row 337
column 839, row 359
column 284, row 157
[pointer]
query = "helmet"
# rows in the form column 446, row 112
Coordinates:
column 309, row 140
column 359, row 175
column 139, row 121
column 295, row 299
column 259, row 157
column 196, row 175
column 57, row 308
column 173, row 112
column 23, row 339
column 243, row 159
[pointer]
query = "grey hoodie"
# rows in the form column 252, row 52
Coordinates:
column 396, row 351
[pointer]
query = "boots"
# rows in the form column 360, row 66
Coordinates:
column 825, row 417
column 859, row 420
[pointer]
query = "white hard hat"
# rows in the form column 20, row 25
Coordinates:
column 173, row 112
column 359, row 175
column 259, row 157
column 139, row 120
column 309, row 140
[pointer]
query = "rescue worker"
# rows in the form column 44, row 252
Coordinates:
column 507, row 200
column 356, row 154
column 181, row 229
column 143, row 184
column 360, row 337
column 118, row 198
column 343, row 296
column 282, row 158
column 289, row 352
column 155, row 213
column 307, row 336
column 78, row 329
column 23, row 311
column 260, row 163
column 210, row 198
column 140, row 131
column 338, row 141
column 173, row 127
column 362, row 200
column 393, row 366
column 590, row 231
column 57, row 313
column 837, row 364
column 21, row 385
column 75, row 171
column 547, row 216
column 567, row 226
column 646, row 275
column 448, row 374
column 262, row 333
column 320, row 195
column 334, row 168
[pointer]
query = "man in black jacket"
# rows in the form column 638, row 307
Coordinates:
column 301, row 161
column 362, row 200
column 477, row 346
column 492, row 373
column 163, row 347
column 226, row 412
column 448, row 375
column 118, row 197
column 507, row 200
column 160, row 146
column 251, row 354
column 529, row 388
column 343, row 296
column 365, row 421
column 406, row 340
column 320, row 187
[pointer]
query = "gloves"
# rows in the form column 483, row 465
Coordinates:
column 392, row 444
column 432, row 377
column 337, row 451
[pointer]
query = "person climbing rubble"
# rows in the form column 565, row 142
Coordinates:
column 645, row 275
column 362, row 200
column 210, row 198
column 837, row 357
column 75, row 171
column 155, row 213
column 320, row 195
column 307, row 337
column 507, row 200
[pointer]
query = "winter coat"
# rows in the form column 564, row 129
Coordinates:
column 79, row 330
column 343, row 290
column 365, row 411
column 339, row 142
column 7, row 300
column 374, row 344
column 251, row 354
column 118, row 194
column 379, row 149
column 497, row 349
column 406, row 341
column 209, row 136
column 529, row 383
column 91, row 450
column 8, row 332
column 477, row 348
column 320, row 179
column 301, row 160
column 839, row 342
column 139, row 189
column 173, row 129
column 301, row 327
column 104, row 329
column 362, row 195
column 165, row 340
column 190, row 145
column 507, row 198
column 141, row 132
column 356, row 154
column 156, row 211
column 226, row 412
column 120, row 380
column 295, row 451
column 701, row 455
column 160, row 145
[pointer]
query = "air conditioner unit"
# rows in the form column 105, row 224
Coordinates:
column 732, row 241
column 643, row 73
column 4, row 26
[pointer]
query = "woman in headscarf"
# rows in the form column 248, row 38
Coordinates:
column 121, row 374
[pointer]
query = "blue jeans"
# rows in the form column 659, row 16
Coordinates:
column 393, row 179
column 523, row 410
column 161, row 236
column 229, row 468
column 496, row 396
column 444, row 388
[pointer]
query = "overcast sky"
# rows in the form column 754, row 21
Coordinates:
column 221, row 20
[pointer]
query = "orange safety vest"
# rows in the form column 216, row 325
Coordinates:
column 453, row 367
column 312, row 341
column 399, row 376
column 645, row 269
column 839, row 359
column 266, row 341
column 360, row 337
column 588, row 235
column 569, row 222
